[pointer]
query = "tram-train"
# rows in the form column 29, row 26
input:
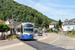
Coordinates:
column 25, row 30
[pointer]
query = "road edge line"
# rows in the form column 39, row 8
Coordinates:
column 54, row 40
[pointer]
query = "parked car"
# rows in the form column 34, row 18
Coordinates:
column 36, row 31
column 39, row 33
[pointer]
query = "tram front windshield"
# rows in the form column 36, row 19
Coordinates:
column 28, row 30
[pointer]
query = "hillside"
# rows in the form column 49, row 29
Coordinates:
column 24, row 13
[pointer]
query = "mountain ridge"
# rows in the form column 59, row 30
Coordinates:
column 24, row 13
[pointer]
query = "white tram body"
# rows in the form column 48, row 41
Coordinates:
column 25, row 31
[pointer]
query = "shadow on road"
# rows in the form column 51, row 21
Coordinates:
column 29, row 40
column 41, row 46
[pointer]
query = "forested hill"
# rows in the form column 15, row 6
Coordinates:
column 24, row 13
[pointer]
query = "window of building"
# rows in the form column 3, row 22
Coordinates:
column 74, row 22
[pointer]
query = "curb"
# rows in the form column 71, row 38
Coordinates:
column 6, row 40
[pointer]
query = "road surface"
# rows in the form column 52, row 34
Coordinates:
column 53, row 42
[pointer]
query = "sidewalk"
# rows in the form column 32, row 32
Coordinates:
column 37, row 37
column 6, row 40
column 7, row 45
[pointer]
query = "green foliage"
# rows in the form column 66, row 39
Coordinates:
column 73, row 31
column 68, row 32
column 50, row 30
column 4, row 27
column 58, row 25
column 24, row 13
column 45, row 24
column 40, row 28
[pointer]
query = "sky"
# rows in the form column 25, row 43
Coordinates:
column 54, row 9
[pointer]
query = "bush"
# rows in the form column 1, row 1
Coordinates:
column 73, row 32
column 49, row 29
column 4, row 27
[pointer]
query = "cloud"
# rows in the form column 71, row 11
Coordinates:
column 57, row 5
column 50, row 11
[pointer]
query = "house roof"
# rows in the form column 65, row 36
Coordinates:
column 53, row 23
column 64, row 21
column 1, row 21
column 11, row 27
column 72, row 19
column 69, row 22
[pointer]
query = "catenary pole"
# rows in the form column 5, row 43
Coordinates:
column 12, row 23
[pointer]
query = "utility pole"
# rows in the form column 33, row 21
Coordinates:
column 12, row 23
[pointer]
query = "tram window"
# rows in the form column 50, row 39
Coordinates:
column 28, row 25
column 28, row 30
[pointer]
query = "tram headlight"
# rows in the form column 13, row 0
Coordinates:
column 25, row 34
column 31, row 34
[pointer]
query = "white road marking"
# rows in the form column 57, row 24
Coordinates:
column 54, row 40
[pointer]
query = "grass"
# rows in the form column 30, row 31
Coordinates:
column 14, row 37
column 71, row 35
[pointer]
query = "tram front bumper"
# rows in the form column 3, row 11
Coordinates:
column 26, row 37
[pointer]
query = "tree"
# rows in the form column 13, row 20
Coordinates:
column 60, row 23
column 4, row 27
column 54, row 25
column 23, row 12
column 43, row 24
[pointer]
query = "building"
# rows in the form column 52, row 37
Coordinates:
column 9, row 22
column 68, row 25
column 63, row 23
column 51, row 25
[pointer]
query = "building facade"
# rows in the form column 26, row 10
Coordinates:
column 69, row 25
column 51, row 25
